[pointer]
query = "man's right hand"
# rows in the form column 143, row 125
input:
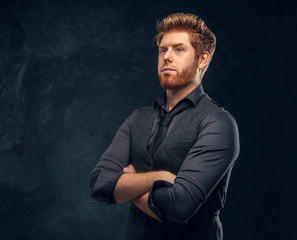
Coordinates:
column 129, row 169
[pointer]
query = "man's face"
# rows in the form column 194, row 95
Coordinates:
column 177, row 65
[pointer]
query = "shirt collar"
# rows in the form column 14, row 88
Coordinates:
column 193, row 97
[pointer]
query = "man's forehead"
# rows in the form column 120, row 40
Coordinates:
column 175, row 37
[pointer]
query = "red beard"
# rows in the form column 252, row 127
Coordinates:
column 180, row 79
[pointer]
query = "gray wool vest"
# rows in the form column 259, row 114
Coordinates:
column 172, row 152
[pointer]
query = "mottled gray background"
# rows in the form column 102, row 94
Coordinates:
column 72, row 71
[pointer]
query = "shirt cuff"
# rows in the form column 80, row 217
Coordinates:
column 152, row 202
column 103, row 189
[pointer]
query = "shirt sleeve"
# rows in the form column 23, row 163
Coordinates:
column 214, row 153
column 109, row 168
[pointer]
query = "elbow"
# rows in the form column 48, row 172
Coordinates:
column 180, row 214
column 175, row 204
column 98, row 192
column 97, row 197
column 182, row 208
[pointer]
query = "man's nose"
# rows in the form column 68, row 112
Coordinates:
column 168, row 56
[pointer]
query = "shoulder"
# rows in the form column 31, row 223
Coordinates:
column 219, row 121
column 138, row 113
column 220, row 114
column 220, row 130
column 143, row 113
column 214, row 112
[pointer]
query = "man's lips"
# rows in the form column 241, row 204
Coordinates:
column 167, row 70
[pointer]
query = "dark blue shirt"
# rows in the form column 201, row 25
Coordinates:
column 214, row 153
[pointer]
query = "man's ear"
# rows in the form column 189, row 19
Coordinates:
column 203, row 60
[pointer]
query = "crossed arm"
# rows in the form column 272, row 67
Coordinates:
column 135, row 187
column 114, row 180
column 130, row 186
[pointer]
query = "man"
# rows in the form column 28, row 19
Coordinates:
column 173, row 161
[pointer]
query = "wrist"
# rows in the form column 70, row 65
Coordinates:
column 167, row 176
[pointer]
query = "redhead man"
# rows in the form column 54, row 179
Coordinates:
column 173, row 161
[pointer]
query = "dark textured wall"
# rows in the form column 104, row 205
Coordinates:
column 72, row 71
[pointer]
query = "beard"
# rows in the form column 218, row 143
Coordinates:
column 180, row 79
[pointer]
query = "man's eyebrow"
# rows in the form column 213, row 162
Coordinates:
column 174, row 45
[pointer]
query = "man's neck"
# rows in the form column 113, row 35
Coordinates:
column 173, row 96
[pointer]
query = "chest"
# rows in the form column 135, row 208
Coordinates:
column 172, row 151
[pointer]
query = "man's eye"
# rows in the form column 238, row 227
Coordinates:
column 179, row 49
column 163, row 50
